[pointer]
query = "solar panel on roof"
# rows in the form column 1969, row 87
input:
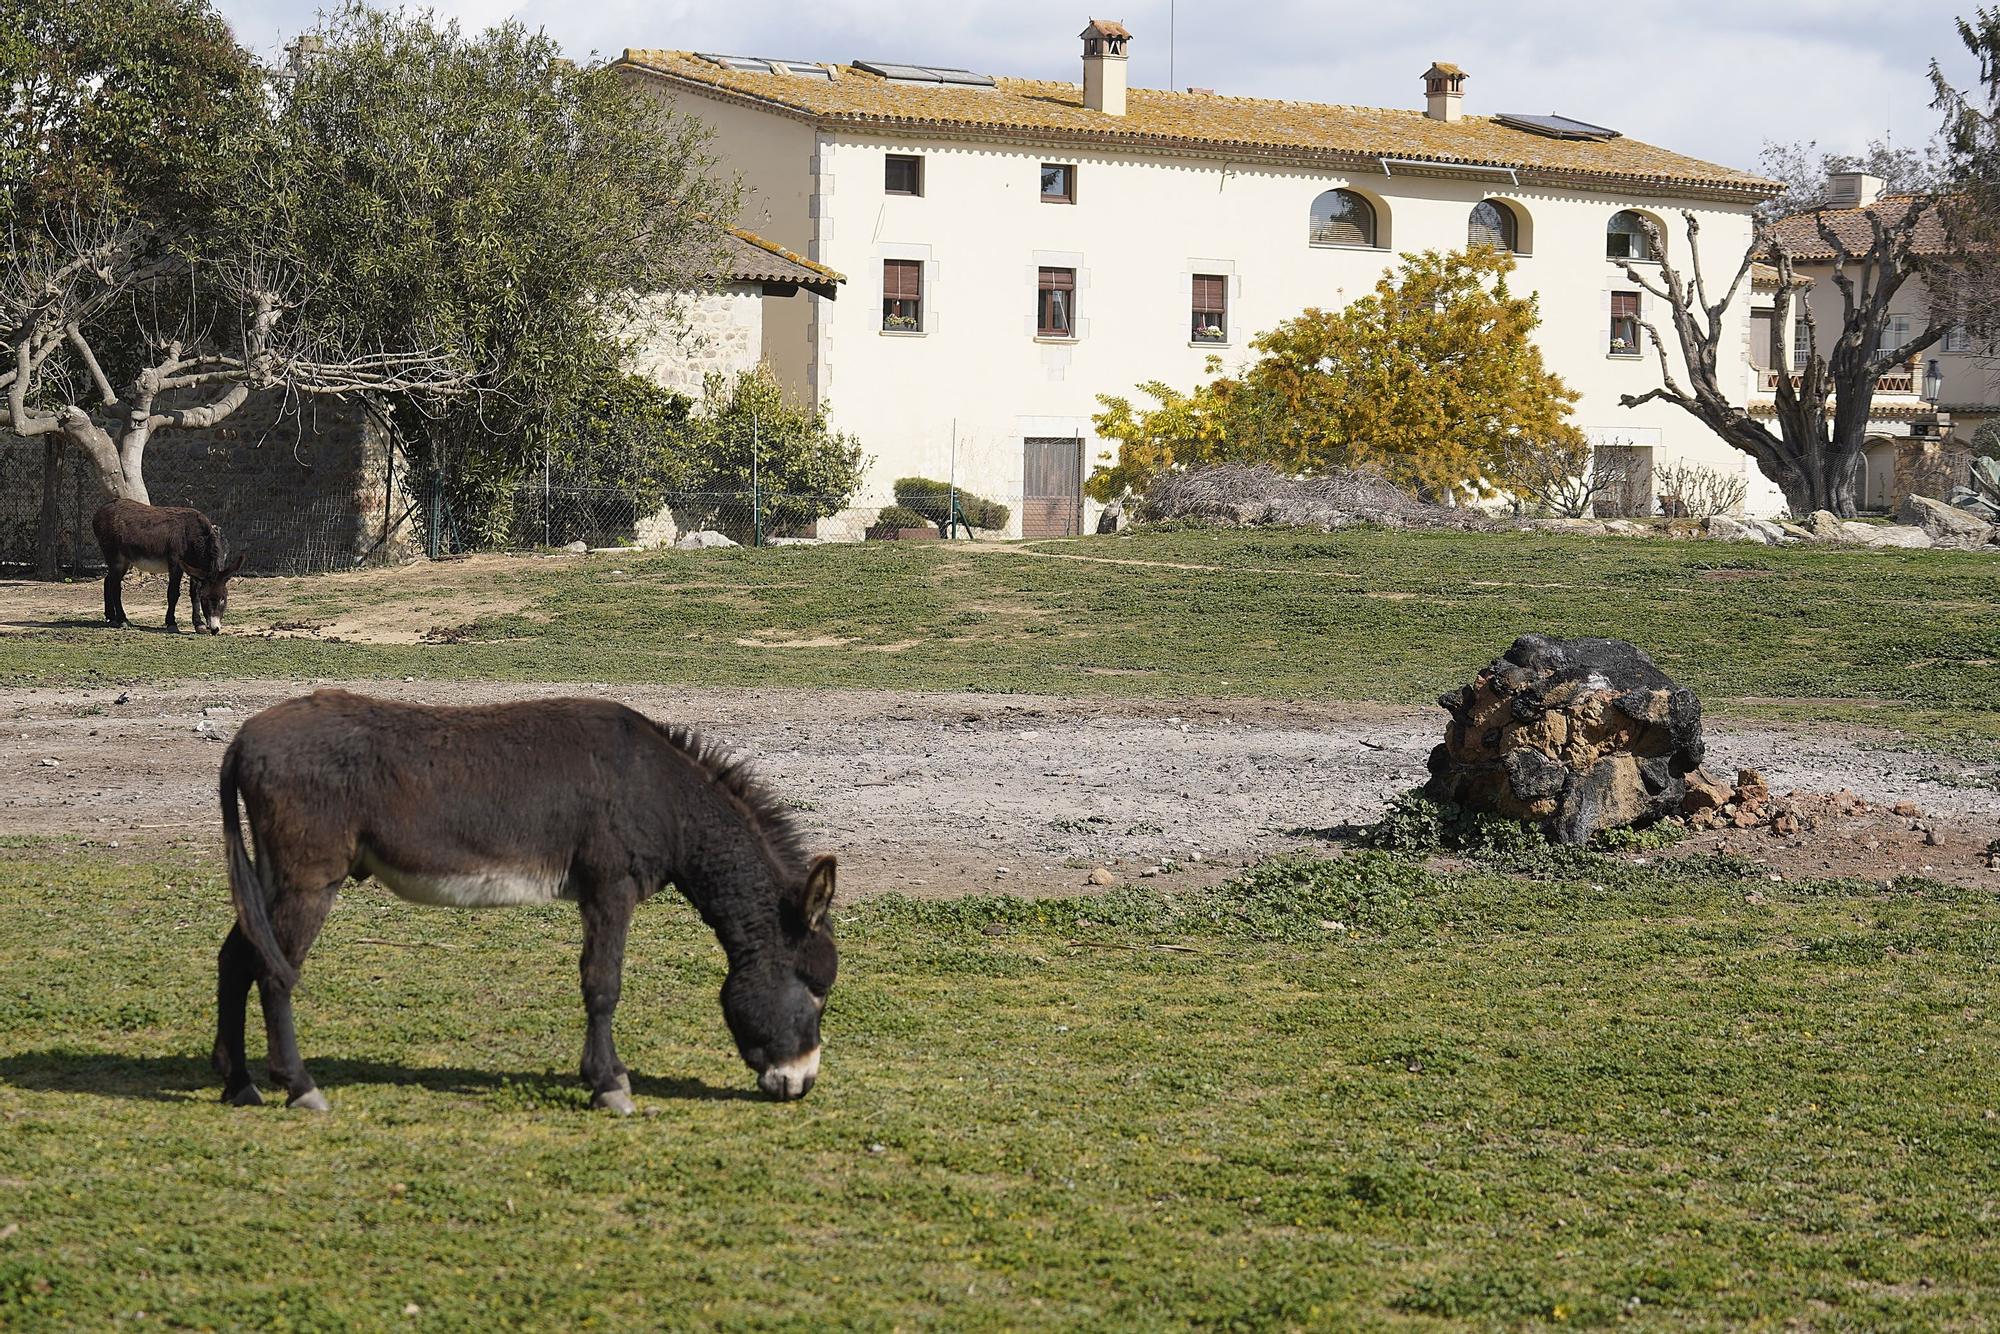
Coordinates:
column 748, row 64
column 912, row 73
column 806, row 69
column 925, row 74
column 1557, row 127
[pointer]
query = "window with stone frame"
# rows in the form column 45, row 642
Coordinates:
column 1624, row 335
column 1055, row 303
column 1209, row 322
column 902, row 296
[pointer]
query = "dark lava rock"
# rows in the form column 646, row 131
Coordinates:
column 1574, row 735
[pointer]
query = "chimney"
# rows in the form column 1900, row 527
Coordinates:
column 1852, row 189
column 1444, row 91
column 1104, row 66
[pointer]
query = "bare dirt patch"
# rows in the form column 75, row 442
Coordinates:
column 932, row 793
column 388, row 603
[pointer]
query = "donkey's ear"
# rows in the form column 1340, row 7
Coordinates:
column 819, row 892
column 233, row 566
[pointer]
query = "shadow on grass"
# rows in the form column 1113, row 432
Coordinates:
column 62, row 623
column 186, row 1078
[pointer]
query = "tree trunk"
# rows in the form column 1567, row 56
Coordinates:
column 48, row 525
column 75, row 426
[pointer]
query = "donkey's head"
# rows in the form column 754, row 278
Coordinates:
column 211, row 596
column 773, row 1001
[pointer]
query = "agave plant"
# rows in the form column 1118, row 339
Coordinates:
column 1982, row 497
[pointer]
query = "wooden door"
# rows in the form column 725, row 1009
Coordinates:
column 1052, row 487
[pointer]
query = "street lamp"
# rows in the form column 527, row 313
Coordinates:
column 1933, row 382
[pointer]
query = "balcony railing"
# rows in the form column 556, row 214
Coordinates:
column 1908, row 380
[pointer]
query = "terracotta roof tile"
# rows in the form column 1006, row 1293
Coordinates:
column 753, row 258
column 1306, row 132
column 1801, row 235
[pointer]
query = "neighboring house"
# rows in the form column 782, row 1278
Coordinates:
column 1918, row 444
column 1021, row 247
column 721, row 330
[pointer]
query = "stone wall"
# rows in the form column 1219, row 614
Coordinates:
column 291, row 489
column 680, row 338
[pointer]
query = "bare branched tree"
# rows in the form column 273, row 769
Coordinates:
column 1566, row 479
column 1821, row 413
column 192, row 373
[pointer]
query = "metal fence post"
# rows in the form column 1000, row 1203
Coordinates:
column 756, row 504
column 545, row 495
column 437, row 505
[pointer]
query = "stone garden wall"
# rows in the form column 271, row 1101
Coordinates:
column 292, row 490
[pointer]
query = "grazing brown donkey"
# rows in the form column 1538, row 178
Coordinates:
column 166, row 540
column 510, row 804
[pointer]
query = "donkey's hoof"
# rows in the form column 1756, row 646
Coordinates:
column 312, row 1100
column 625, row 1081
column 614, row 1100
column 247, row 1096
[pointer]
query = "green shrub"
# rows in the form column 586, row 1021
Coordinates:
column 902, row 516
column 1416, row 823
column 933, row 500
column 747, row 427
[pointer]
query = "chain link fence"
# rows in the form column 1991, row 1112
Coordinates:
column 546, row 515
column 343, row 531
column 45, row 518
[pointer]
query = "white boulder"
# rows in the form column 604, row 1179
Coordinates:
column 706, row 537
column 1730, row 528
column 1946, row 525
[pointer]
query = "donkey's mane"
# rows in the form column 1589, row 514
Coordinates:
column 763, row 810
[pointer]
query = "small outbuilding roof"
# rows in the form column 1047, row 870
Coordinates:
column 750, row 258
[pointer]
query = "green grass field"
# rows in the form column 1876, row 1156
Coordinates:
column 1559, row 1090
column 1903, row 640
column 1511, row 1089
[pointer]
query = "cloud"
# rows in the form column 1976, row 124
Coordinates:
column 1712, row 78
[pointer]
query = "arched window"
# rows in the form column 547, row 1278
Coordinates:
column 1341, row 217
column 1626, row 237
column 1492, row 224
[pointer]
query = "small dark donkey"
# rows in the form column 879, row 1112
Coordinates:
column 169, row 540
column 512, row 804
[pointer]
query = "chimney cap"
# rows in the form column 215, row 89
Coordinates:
column 1106, row 28
column 1853, row 189
column 1446, row 68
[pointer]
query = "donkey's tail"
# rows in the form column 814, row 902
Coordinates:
column 246, row 890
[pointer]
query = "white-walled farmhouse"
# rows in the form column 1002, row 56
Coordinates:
column 1012, row 251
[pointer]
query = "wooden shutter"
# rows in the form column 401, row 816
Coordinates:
column 1058, row 280
column 902, row 279
column 1624, row 305
column 1208, row 292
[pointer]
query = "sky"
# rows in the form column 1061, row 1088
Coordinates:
column 1714, row 79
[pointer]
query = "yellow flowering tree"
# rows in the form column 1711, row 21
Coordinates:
column 1431, row 379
